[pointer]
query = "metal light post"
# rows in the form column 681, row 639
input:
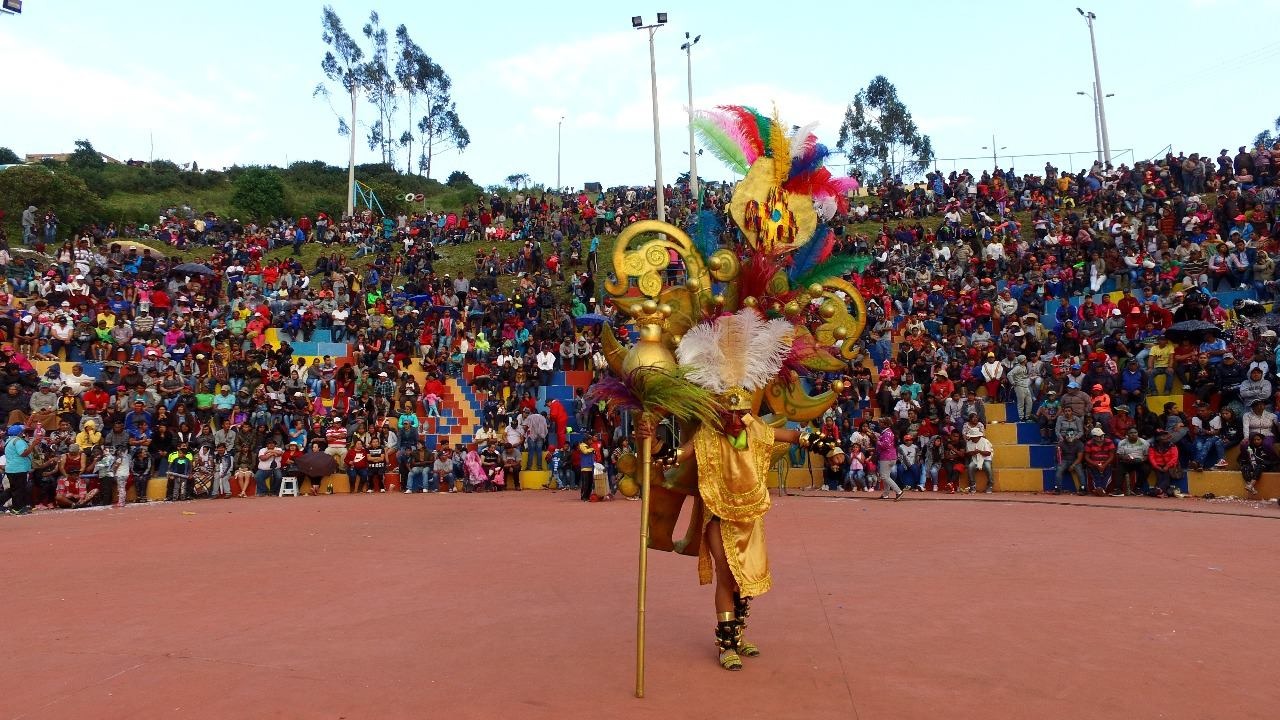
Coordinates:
column 646, row 444
column 1097, row 124
column 558, row 126
column 1089, row 17
column 687, row 47
column 637, row 22
column 995, row 163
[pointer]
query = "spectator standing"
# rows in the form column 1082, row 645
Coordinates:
column 1070, row 458
column 17, row 457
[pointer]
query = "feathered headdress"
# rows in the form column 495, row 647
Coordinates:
column 739, row 351
column 740, row 136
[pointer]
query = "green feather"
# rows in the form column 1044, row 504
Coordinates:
column 835, row 266
column 719, row 144
column 670, row 391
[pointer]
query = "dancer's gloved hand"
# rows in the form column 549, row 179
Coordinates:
column 818, row 443
column 667, row 457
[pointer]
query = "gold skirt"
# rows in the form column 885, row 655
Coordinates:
column 745, row 551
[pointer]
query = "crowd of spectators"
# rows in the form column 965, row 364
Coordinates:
column 956, row 290
column 958, row 286
column 191, row 389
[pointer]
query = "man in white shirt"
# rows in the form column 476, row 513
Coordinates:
column 546, row 365
column 339, row 327
column 979, row 451
column 77, row 380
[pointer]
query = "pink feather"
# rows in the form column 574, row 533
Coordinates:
column 729, row 124
column 753, row 147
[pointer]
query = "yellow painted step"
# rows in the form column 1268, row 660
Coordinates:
column 1218, row 482
column 1002, row 433
column 1156, row 402
column 1018, row 480
column 157, row 488
column 1011, row 456
column 535, row 479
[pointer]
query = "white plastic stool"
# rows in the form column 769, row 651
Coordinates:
column 289, row 486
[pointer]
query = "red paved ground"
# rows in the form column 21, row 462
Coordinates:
column 521, row 606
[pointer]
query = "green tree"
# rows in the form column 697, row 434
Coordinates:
column 343, row 64
column 458, row 179
column 1266, row 138
column 9, row 157
column 439, row 129
column 382, row 85
column 879, row 138
column 48, row 188
column 260, row 193
column 85, row 157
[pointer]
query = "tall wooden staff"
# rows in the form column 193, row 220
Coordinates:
column 646, row 457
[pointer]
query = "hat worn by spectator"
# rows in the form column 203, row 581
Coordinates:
column 1097, row 432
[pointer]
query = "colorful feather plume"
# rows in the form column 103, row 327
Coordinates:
column 835, row 266
column 758, row 269
column 827, row 207
column 816, row 183
column 810, row 161
column 780, row 150
column 803, row 140
column 705, row 233
column 746, row 120
column 739, row 350
column 845, row 184
column 652, row 389
column 766, row 128
column 719, row 143
column 803, row 348
column 812, row 253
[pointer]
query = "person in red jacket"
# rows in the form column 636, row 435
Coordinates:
column 1163, row 457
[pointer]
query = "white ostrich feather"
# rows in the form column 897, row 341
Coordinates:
column 740, row 350
column 826, row 206
column 798, row 138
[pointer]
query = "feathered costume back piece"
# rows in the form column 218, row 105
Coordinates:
column 742, row 350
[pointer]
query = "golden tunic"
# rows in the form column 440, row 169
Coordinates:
column 731, row 483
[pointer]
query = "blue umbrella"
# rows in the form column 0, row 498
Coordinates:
column 591, row 319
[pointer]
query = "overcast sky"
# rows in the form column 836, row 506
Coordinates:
column 231, row 82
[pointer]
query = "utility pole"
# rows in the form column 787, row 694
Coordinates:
column 558, row 126
column 995, row 162
column 1089, row 17
column 638, row 23
column 687, row 47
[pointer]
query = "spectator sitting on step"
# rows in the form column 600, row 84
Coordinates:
column 1255, row 459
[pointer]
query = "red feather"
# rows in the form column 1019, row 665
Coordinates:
column 750, row 129
column 757, row 271
column 828, row 244
column 814, row 183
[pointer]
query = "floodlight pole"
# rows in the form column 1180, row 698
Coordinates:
column 693, row 156
column 558, row 126
column 1089, row 17
column 657, row 137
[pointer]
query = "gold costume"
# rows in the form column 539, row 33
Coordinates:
column 732, row 336
column 731, row 483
